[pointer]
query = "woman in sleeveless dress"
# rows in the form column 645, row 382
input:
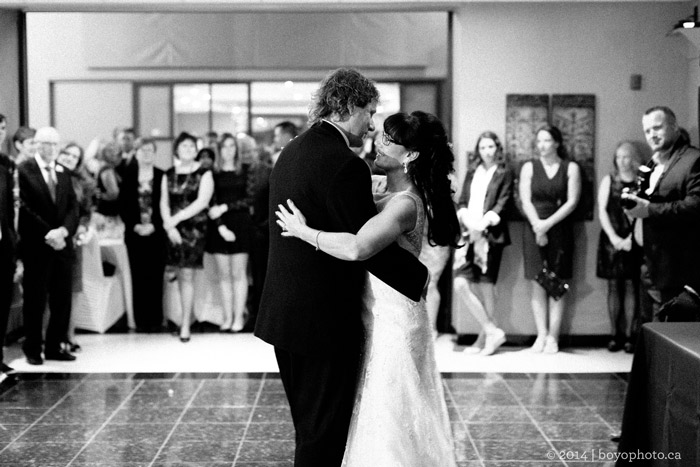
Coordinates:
column 186, row 191
column 400, row 416
column 230, row 231
column 550, row 187
column 619, row 256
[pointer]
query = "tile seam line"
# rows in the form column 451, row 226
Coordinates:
column 250, row 419
column 36, row 422
column 106, row 422
column 177, row 422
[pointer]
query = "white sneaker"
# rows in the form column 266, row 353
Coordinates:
column 493, row 341
column 550, row 345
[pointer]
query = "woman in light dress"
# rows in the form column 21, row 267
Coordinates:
column 400, row 416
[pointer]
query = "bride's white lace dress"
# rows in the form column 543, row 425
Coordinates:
column 400, row 416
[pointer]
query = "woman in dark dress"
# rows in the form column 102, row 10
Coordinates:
column 550, row 187
column 486, row 193
column 186, row 191
column 144, row 236
column 230, row 231
column 619, row 256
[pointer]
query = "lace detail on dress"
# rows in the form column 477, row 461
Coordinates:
column 400, row 416
column 411, row 241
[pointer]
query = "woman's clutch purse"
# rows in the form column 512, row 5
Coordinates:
column 555, row 286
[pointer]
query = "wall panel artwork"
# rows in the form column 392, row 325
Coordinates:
column 574, row 115
column 525, row 113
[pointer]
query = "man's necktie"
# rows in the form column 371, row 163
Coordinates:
column 51, row 182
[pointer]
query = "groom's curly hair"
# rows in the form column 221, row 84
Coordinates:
column 430, row 171
column 339, row 92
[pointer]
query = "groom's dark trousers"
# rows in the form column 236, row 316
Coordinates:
column 311, row 303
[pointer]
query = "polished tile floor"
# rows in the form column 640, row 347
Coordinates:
column 555, row 411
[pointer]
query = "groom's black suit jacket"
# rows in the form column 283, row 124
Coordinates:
column 311, row 301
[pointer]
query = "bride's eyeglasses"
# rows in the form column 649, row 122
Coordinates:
column 386, row 139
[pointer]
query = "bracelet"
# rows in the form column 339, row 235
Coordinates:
column 317, row 234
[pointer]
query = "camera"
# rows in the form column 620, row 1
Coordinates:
column 639, row 189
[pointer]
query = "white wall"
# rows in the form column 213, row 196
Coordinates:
column 576, row 48
column 152, row 47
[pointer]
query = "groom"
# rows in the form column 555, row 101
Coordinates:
column 311, row 304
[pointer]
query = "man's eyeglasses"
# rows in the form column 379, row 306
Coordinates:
column 386, row 139
column 47, row 143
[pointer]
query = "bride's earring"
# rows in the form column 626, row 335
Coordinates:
column 405, row 166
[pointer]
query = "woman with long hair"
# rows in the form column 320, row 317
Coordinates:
column 550, row 188
column 619, row 257
column 230, row 230
column 486, row 193
column 186, row 191
column 71, row 157
column 400, row 415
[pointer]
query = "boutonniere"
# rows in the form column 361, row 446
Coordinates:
column 59, row 168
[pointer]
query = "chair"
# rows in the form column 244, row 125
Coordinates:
column 101, row 302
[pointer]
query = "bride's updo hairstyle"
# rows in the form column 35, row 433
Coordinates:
column 430, row 171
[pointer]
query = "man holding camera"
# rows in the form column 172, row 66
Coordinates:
column 670, row 206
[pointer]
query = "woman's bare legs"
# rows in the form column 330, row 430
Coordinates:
column 539, row 302
column 225, row 277
column 185, row 280
column 239, row 268
column 482, row 312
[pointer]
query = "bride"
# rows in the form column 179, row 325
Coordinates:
column 400, row 416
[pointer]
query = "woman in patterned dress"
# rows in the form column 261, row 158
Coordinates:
column 186, row 191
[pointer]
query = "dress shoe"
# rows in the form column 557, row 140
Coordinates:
column 629, row 347
column 35, row 359
column 184, row 340
column 614, row 346
column 60, row 355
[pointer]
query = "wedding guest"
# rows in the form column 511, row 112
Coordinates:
column 8, row 241
column 283, row 133
column 619, row 256
column 47, row 222
column 186, row 191
column 550, row 187
column 206, row 157
column 144, row 236
column 486, row 194
column 108, row 222
column 24, row 144
column 71, row 157
column 670, row 206
column 229, row 234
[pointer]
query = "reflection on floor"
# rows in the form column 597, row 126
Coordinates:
column 242, row 420
column 135, row 400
